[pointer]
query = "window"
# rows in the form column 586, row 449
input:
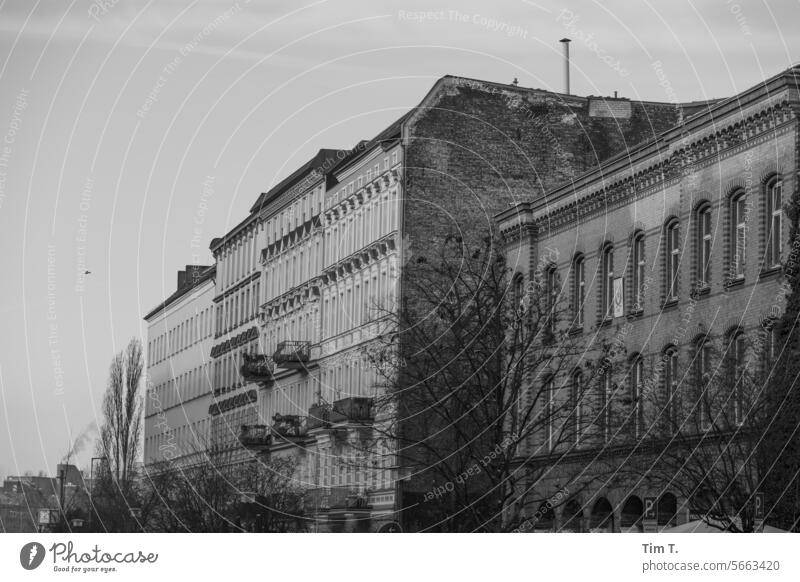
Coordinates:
column 606, row 392
column 737, row 366
column 638, row 271
column 552, row 298
column 673, row 260
column 607, row 281
column 702, row 380
column 637, row 405
column 775, row 221
column 578, row 288
column 703, row 275
column 738, row 236
column 671, row 379
column 768, row 350
column 549, row 395
column 519, row 295
column 575, row 401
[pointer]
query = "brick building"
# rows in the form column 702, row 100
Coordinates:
column 303, row 280
column 673, row 252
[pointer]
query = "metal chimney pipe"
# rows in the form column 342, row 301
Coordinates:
column 565, row 42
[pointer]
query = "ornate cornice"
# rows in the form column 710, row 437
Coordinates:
column 668, row 168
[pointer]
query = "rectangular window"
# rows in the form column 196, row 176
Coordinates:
column 671, row 382
column 737, row 349
column 703, row 381
column 549, row 394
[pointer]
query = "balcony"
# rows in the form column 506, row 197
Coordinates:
column 255, row 436
column 335, row 498
column 346, row 410
column 257, row 368
column 292, row 354
column 287, row 427
column 319, row 416
column 352, row 410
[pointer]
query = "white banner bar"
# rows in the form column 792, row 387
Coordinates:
column 355, row 557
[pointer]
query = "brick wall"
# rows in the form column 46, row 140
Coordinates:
column 481, row 146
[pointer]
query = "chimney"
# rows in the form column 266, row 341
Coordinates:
column 565, row 42
column 190, row 276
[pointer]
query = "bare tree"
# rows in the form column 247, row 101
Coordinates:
column 705, row 422
column 214, row 496
column 479, row 402
column 115, row 496
column 121, row 432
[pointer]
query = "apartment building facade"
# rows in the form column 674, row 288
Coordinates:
column 236, row 298
column 179, row 367
column 306, row 279
column 674, row 254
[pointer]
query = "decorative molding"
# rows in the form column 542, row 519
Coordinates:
column 664, row 172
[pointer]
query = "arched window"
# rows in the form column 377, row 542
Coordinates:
column 702, row 381
column 774, row 221
column 578, row 288
column 671, row 380
column 637, row 404
column 576, row 397
column 667, row 510
column 703, row 274
column 672, row 257
column 607, row 281
column 639, row 267
column 738, row 233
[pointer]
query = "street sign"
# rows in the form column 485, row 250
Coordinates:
column 758, row 512
column 650, row 515
column 619, row 297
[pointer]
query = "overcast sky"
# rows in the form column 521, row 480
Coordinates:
column 112, row 122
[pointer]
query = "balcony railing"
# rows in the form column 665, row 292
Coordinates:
column 352, row 409
column 257, row 368
column 319, row 416
column 292, row 354
column 287, row 426
column 346, row 410
column 255, row 436
column 332, row 498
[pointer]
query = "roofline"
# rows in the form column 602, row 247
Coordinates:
column 206, row 275
column 643, row 149
column 311, row 166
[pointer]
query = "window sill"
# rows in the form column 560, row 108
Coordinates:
column 670, row 303
column 701, row 291
column 575, row 330
column 734, row 282
column 634, row 313
column 605, row 322
column 770, row 272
